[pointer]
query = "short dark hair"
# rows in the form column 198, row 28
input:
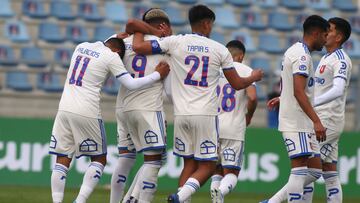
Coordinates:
column 236, row 44
column 117, row 43
column 315, row 22
column 342, row 26
column 155, row 20
column 200, row 12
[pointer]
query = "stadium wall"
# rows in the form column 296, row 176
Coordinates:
column 24, row 159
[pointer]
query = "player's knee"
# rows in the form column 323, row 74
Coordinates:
column 101, row 159
column 153, row 155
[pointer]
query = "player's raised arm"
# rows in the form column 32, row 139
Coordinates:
column 134, row 25
column 238, row 82
column 144, row 47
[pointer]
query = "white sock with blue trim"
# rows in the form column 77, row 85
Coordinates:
column 228, row 183
column 295, row 185
column 313, row 175
column 134, row 188
column 189, row 188
column 58, row 180
column 333, row 187
column 148, row 180
column 215, row 181
column 120, row 175
column 91, row 179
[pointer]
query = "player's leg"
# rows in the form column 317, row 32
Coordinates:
column 299, row 150
column 216, row 180
column 62, row 145
column 126, row 160
column 90, row 137
column 329, row 155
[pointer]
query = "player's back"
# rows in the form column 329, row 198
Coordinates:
column 331, row 66
column 233, row 106
column 195, row 67
column 297, row 60
column 88, row 70
column 138, row 65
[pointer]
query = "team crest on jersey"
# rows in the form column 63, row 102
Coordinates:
column 311, row 82
column 155, row 44
column 303, row 58
column 322, row 69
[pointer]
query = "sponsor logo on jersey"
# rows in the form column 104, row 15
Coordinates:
column 311, row 82
column 322, row 69
column 319, row 80
column 302, row 67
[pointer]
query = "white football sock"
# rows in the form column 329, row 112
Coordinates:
column 149, row 180
column 228, row 183
column 313, row 175
column 215, row 181
column 120, row 176
column 333, row 187
column 58, row 180
column 134, row 188
column 189, row 188
column 91, row 179
column 295, row 185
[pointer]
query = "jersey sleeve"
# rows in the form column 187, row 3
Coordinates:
column 226, row 60
column 301, row 65
column 164, row 45
column 341, row 68
column 116, row 67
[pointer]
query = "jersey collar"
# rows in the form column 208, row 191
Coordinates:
column 328, row 54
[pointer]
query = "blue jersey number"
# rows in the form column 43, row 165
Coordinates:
column 228, row 99
column 139, row 64
column 196, row 60
column 78, row 81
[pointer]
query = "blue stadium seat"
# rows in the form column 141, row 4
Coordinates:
column 242, row 3
column 262, row 63
column 33, row 57
column 226, row 18
column 270, row 43
column 212, row 2
column 253, row 20
column 16, row 31
column 49, row 82
column 89, row 11
column 102, row 32
column 352, row 47
column 5, row 9
column 355, row 23
column 246, row 39
column 111, row 86
column 280, row 21
column 266, row 3
column 76, row 33
column 352, row 94
column 160, row 1
column 116, row 12
column 34, row 9
column 139, row 10
column 50, row 32
column 320, row 5
column 187, row 1
column 292, row 4
column 57, row 8
column 175, row 15
column 62, row 56
column 18, row 81
column 292, row 39
column 219, row 37
column 7, row 56
column 345, row 5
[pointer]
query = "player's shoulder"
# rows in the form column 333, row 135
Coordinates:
column 242, row 68
column 299, row 49
column 151, row 37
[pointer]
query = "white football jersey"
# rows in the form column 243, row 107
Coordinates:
column 296, row 60
column 195, row 62
column 148, row 98
column 89, row 68
column 332, row 65
column 233, row 106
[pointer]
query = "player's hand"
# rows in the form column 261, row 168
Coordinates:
column 165, row 29
column 320, row 131
column 248, row 119
column 163, row 68
column 122, row 35
column 273, row 103
column 257, row 74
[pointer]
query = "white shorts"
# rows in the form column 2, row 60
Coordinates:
column 147, row 129
column 196, row 137
column 329, row 148
column 123, row 135
column 77, row 135
column 231, row 153
column 300, row 144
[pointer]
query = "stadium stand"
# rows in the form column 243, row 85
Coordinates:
column 62, row 10
column 5, row 9
column 49, row 82
column 18, row 81
column 33, row 57
column 50, row 32
column 7, row 56
column 16, row 31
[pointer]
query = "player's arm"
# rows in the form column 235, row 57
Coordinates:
column 161, row 71
column 140, row 46
column 134, row 25
column 251, row 104
column 238, row 82
column 300, row 83
column 336, row 91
